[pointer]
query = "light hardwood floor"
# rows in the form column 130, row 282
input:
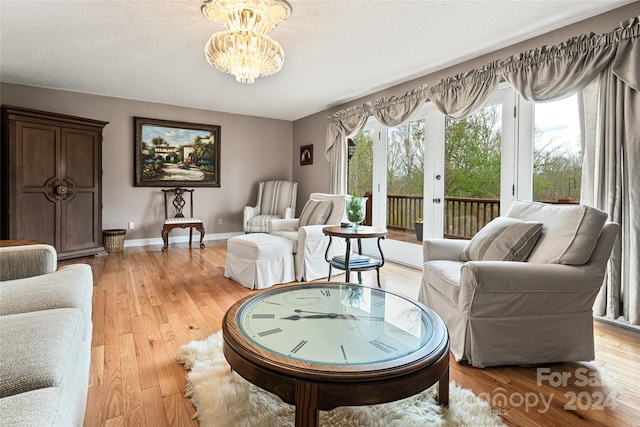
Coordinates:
column 147, row 304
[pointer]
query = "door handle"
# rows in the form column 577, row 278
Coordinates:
column 61, row 190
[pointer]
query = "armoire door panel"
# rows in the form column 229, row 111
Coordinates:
column 37, row 151
column 37, row 220
column 79, row 152
column 79, row 215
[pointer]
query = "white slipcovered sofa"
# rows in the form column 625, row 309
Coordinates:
column 45, row 338
column 522, row 290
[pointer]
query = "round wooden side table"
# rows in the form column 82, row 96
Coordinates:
column 352, row 262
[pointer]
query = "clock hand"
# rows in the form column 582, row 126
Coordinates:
column 313, row 316
column 332, row 315
column 297, row 310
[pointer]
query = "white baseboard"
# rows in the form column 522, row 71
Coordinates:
column 620, row 321
column 157, row 241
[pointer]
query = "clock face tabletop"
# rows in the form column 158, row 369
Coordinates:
column 329, row 330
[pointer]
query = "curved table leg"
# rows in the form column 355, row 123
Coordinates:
column 201, row 230
column 359, row 253
column 326, row 256
column 346, row 261
column 165, row 239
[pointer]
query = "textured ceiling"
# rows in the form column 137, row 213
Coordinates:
column 336, row 51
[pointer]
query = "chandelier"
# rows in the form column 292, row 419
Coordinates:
column 244, row 49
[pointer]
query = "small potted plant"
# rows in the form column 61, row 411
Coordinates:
column 356, row 209
column 418, row 225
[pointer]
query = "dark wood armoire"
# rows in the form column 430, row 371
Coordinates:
column 51, row 172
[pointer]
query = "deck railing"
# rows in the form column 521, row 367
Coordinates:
column 464, row 216
column 402, row 211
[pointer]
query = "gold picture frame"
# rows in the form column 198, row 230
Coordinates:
column 176, row 154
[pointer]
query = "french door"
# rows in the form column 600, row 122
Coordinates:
column 388, row 165
column 510, row 149
column 472, row 169
column 473, row 176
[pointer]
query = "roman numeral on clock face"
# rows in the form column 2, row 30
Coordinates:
column 344, row 353
column 325, row 292
column 263, row 316
column 269, row 332
column 299, row 346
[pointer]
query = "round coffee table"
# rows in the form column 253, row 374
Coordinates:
column 324, row 345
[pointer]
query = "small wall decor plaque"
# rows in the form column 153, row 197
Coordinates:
column 306, row 155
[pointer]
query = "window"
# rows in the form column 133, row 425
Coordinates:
column 405, row 178
column 360, row 164
column 473, row 165
column 460, row 174
column 557, row 151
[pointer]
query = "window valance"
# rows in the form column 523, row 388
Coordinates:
column 542, row 74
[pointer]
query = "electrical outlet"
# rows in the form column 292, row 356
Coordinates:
column 131, row 225
column 219, row 221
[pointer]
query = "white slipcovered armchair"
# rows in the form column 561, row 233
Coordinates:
column 502, row 311
column 276, row 200
column 309, row 243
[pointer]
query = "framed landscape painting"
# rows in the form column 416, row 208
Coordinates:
column 176, row 154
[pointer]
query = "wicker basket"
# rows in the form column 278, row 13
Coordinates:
column 113, row 240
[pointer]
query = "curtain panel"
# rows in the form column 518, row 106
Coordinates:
column 613, row 158
column 344, row 124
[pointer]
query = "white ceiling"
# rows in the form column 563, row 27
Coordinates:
column 336, row 50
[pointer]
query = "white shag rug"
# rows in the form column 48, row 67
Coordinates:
column 223, row 398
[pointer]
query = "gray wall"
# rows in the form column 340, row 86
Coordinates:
column 252, row 149
column 312, row 129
